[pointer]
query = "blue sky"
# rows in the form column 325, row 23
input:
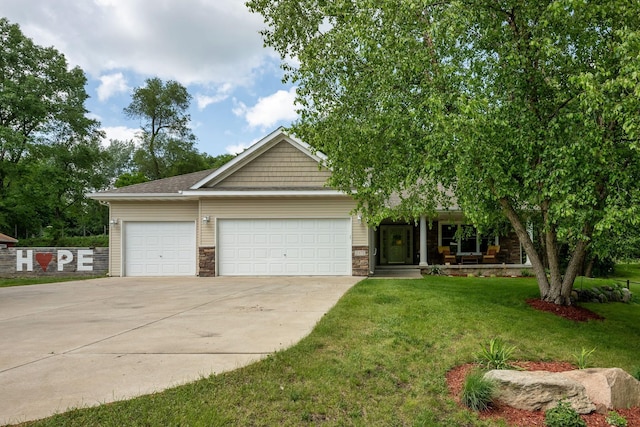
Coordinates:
column 212, row 47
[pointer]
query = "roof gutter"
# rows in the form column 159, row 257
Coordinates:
column 262, row 193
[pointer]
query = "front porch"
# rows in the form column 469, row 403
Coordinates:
column 451, row 247
column 479, row 270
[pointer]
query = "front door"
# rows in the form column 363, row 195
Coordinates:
column 396, row 242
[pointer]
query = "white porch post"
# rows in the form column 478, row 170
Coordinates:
column 423, row 241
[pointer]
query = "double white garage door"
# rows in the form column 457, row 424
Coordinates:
column 244, row 247
column 284, row 247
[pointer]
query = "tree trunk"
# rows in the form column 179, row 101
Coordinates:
column 527, row 244
column 588, row 270
column 555, row 281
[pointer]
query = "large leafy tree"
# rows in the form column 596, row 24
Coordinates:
column 163, row 111
column 524, row 110
column 47, row 142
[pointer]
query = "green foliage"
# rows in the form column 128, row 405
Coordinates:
column 5, row 283
column 477, row 391
column 525, row 272
column 495, row 355
column 520, row 110
column 67, row 241
column 162, row 109
column 214, row 162
column 49, row 148
column 563, row 415
column 616, row 420
column 582, row 358
column 128, row 178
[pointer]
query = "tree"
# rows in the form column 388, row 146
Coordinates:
column 172, row 157
column 528, row 111
column 162, row 109
column 47, row 143
column 214, row 162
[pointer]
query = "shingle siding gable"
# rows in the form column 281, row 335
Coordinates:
column 282, row 166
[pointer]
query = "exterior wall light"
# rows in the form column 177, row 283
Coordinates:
column 206, row 219
column 114, row 221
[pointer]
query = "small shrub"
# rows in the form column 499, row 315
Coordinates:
column 563, row 415
column 616, row 420
column 583, row 358
column 525, row 272
column 496, row 355
column 435, row 271
column 477, row 392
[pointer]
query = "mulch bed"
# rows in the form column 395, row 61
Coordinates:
column 521, row 418
column 572, row 312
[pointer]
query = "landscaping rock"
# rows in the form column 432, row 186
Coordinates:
column 602, row 294
column 612, row 388
column 539, row 390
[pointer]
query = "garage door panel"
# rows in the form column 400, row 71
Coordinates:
column 159, row 249
column 284, row 247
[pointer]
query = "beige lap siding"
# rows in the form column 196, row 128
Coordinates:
column 281, row 166
column 279, row 208
column 145, row 211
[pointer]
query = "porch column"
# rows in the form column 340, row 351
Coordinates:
column 423, row 241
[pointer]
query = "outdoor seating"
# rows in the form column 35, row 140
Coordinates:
column 491, row 257
column 447, row 256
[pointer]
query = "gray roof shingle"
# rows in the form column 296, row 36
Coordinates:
column 172, row 184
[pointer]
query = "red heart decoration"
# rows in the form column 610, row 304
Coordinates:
column 44, row 259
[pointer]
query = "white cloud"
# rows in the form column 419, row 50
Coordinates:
column 121, row 133
column 191, row 41
column 222, row 93
column 111, row 84
column 269, row 110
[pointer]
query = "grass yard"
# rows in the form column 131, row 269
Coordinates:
column 379, row 358
column 5, row 283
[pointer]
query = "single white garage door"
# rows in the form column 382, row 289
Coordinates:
column 160, row 249
column 284, row 247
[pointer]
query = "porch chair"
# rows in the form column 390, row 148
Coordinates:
column 491, row 257
column 447, row 256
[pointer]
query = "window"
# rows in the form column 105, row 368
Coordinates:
column 464, row 238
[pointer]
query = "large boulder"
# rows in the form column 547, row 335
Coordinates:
column 608, row 388
column 539, row 390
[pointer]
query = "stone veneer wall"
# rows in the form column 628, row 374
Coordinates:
column 510, row 249
column 53, row 261
column 207, row 261
column 360, row 261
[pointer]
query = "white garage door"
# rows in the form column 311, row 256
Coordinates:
column 284, row 247
column 160, row 249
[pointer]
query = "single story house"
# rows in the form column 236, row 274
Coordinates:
column 269, row 212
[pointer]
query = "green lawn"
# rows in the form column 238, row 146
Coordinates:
column 5, row 283
column 379, row 358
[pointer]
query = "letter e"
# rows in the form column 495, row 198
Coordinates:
column 85, row 260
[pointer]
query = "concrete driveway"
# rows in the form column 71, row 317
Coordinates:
column 84, row 343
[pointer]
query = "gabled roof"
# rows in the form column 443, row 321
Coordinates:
column 203, row 183
column 159, row 189
column 255, row 151
column 7, row 239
